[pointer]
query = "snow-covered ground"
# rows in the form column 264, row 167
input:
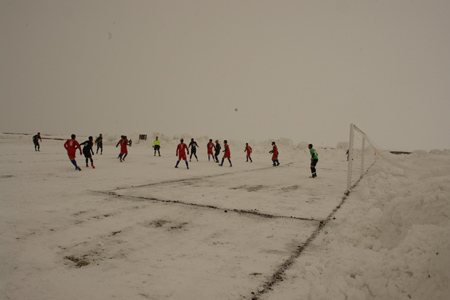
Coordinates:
column 142, row 229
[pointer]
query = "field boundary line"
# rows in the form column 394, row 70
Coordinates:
column 226, row 210
column 198, row 178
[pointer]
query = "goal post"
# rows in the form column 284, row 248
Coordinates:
column 361, row 156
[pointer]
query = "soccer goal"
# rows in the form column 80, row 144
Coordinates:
column 361, row 156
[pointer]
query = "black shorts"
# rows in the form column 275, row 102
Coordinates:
column 157, row 147
column 87, row 154
column 314, row 162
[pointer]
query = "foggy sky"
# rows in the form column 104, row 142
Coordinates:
column 298, row 69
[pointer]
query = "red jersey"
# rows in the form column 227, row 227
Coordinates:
column 248, row 149
column 227, row 151
column 181, row 151
column 210, row 148
column 274, row 152
column 71, row 147
column 123, row 146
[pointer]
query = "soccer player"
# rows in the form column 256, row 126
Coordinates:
column 157, row 146
column 248, row 149
column 314, row 160
column 217, row 151
column 227, row 153
column 124, row 142
column 99, row 142
column 181, row 153
column 36, row 139
column 118, row 143
column 193, row 145
column 210, row 148
column 71, row 146
column 87, row 151
column 274, row 152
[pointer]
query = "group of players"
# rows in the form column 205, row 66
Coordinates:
column 213, row 151
column 71, row 145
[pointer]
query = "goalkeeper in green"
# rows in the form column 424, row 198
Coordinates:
column 314, row 160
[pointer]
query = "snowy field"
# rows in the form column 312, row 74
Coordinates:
column 142, row 229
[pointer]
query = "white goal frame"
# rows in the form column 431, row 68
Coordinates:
column 351, row 154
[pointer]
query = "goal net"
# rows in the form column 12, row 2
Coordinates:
column 361, row 156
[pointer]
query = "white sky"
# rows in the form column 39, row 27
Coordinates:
column 298, row 69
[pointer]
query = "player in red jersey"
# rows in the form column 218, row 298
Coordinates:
column 124, row 142
column 274, row 152
column 248, row 149
column 210, row 148
column 181, row 153
column 227, row 153
column 71, row 146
